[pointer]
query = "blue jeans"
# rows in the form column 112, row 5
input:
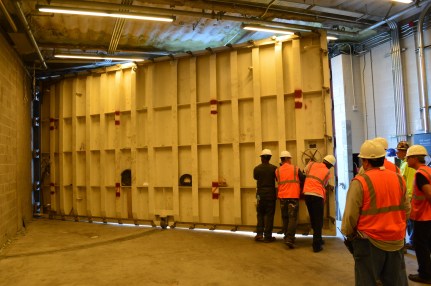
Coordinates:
column 289, row 214
column 374, row 266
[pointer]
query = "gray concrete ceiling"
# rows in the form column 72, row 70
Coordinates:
column 198, row 25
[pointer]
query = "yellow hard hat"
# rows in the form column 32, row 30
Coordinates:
column 382, row 141
column 371, row 149
column 417, row 150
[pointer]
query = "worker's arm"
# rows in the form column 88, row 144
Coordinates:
column 301, row 176
column 426, row 189
column 255, row 174
column 423, row 185
column 407, row 206
column 352, row 209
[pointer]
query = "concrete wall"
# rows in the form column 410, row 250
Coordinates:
column 15, row 138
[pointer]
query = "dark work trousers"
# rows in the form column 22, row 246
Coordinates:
column 265, row 216
column 315, row 210
column 422, row 243
column 289, row 214
column 374, row 266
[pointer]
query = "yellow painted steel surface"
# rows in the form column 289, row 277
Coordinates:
column 208, row 116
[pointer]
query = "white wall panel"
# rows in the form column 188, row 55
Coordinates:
column 411, row 84
column 208, row 116
column 379, row 96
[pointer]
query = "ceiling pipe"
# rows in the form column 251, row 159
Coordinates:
column 8, row 17
column 395, row 16
column 118, row 29
column 397, row 77
column 29, row 33
column 422, row 72
column 163, row 11
column 301, row 12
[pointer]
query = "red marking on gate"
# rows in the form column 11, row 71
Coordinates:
column 117, row 189
column 117, row 117
column 51, row 124
column 215, row 191
column 298, row 99
column 213, row 103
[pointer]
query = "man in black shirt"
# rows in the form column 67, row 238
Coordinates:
column 421, row 212
column 266, row 195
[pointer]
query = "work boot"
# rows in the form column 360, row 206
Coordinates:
column 317, row 246
column 290, row 244
column 417, row 278
column 269, row 239
column 409, row 246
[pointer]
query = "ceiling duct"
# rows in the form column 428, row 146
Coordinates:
column 30, row 33
column 8, row 17
column 395, row 16
column 202, row 14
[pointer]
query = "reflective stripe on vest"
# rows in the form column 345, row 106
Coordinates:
column 383, row 213
column 287, row 181
column 317, row 178
column 424, row 172
column 421, row 207
column 288, row 186
column 373, row 210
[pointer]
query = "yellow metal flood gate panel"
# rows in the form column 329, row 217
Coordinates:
column 176, row 141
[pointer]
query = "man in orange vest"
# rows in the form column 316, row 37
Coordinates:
column 317, row 176
column 266, row 197
column 374, row 220
column 289, row 179
column 421, row 212
column 388, row 164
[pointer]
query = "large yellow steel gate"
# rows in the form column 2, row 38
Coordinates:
column 203, row 117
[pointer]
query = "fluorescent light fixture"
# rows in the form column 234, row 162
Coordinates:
column 267, row 29
column 403, row 1
column 331, row 38
column 97, row 13
column 96, row 57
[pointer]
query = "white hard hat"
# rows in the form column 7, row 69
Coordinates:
column 371, row 149
column 416, row 150
column 382, row 141
column 285, row 154
column 330, row 159
column 266, row 152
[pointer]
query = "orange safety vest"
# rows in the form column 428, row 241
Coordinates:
column 288, row 181
column 391, row 166
column 316, row 178
column 383, row 214
column 421, row 208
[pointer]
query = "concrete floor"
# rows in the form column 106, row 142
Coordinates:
column 55, row 252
